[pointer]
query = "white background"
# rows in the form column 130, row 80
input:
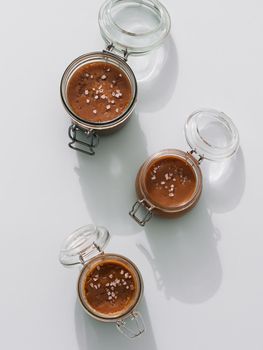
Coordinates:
column 203, row 272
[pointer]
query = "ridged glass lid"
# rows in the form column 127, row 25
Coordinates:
column 212, row 134
column 137, row 26
column 80, row 244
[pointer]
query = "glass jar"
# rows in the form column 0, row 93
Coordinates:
column 130, row 27
column 169, row 183
column 85, row 247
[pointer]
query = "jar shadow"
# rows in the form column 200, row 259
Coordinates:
column 156, row 74
column 184, row 254
column 93, row 334
column 224, row 183
column 106, row 179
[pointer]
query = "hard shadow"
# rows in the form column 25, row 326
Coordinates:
column 184, row 254
column 156, row 74
column 92, row 334
column 107, row 179
column 224, row 183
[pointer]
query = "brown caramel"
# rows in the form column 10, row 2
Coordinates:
column 110, row 289
column 99, row 92
column 170, row 182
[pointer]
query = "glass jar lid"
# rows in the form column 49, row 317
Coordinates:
column 80, row 244
column 212, row 134
column 134, row 26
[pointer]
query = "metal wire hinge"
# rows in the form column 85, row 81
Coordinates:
column 200, row 157
column 88, row 145
column 84, row 255
column 132, row 326
column 110, row 47
column 141, row 204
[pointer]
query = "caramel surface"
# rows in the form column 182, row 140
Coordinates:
column 99, row 92
column 110, row 288
column 170, row 182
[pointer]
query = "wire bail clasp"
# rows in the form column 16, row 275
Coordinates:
column 131, row 326
column 110, row 48
column 89, row 141
column 141, row 204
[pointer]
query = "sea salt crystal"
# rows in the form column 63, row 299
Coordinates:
column 94, row 111
column 103, row 77
column 86, row 92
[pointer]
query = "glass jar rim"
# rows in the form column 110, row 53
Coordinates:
column 138, row 277
column 96, row 57
column 194, row 166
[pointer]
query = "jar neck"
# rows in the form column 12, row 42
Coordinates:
column 144, row 174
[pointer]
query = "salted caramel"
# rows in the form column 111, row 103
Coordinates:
column 170, row 182
column 110, row 289
column 99, row 92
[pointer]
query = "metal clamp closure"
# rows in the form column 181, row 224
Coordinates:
column 141, row 204
column 110, row 48
column 91, row 141
column 131, row 326
column 83, row 255
column 200, row 157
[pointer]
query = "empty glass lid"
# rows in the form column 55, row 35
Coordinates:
column 212, row 134
column 135, row 26
column 80, row 244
